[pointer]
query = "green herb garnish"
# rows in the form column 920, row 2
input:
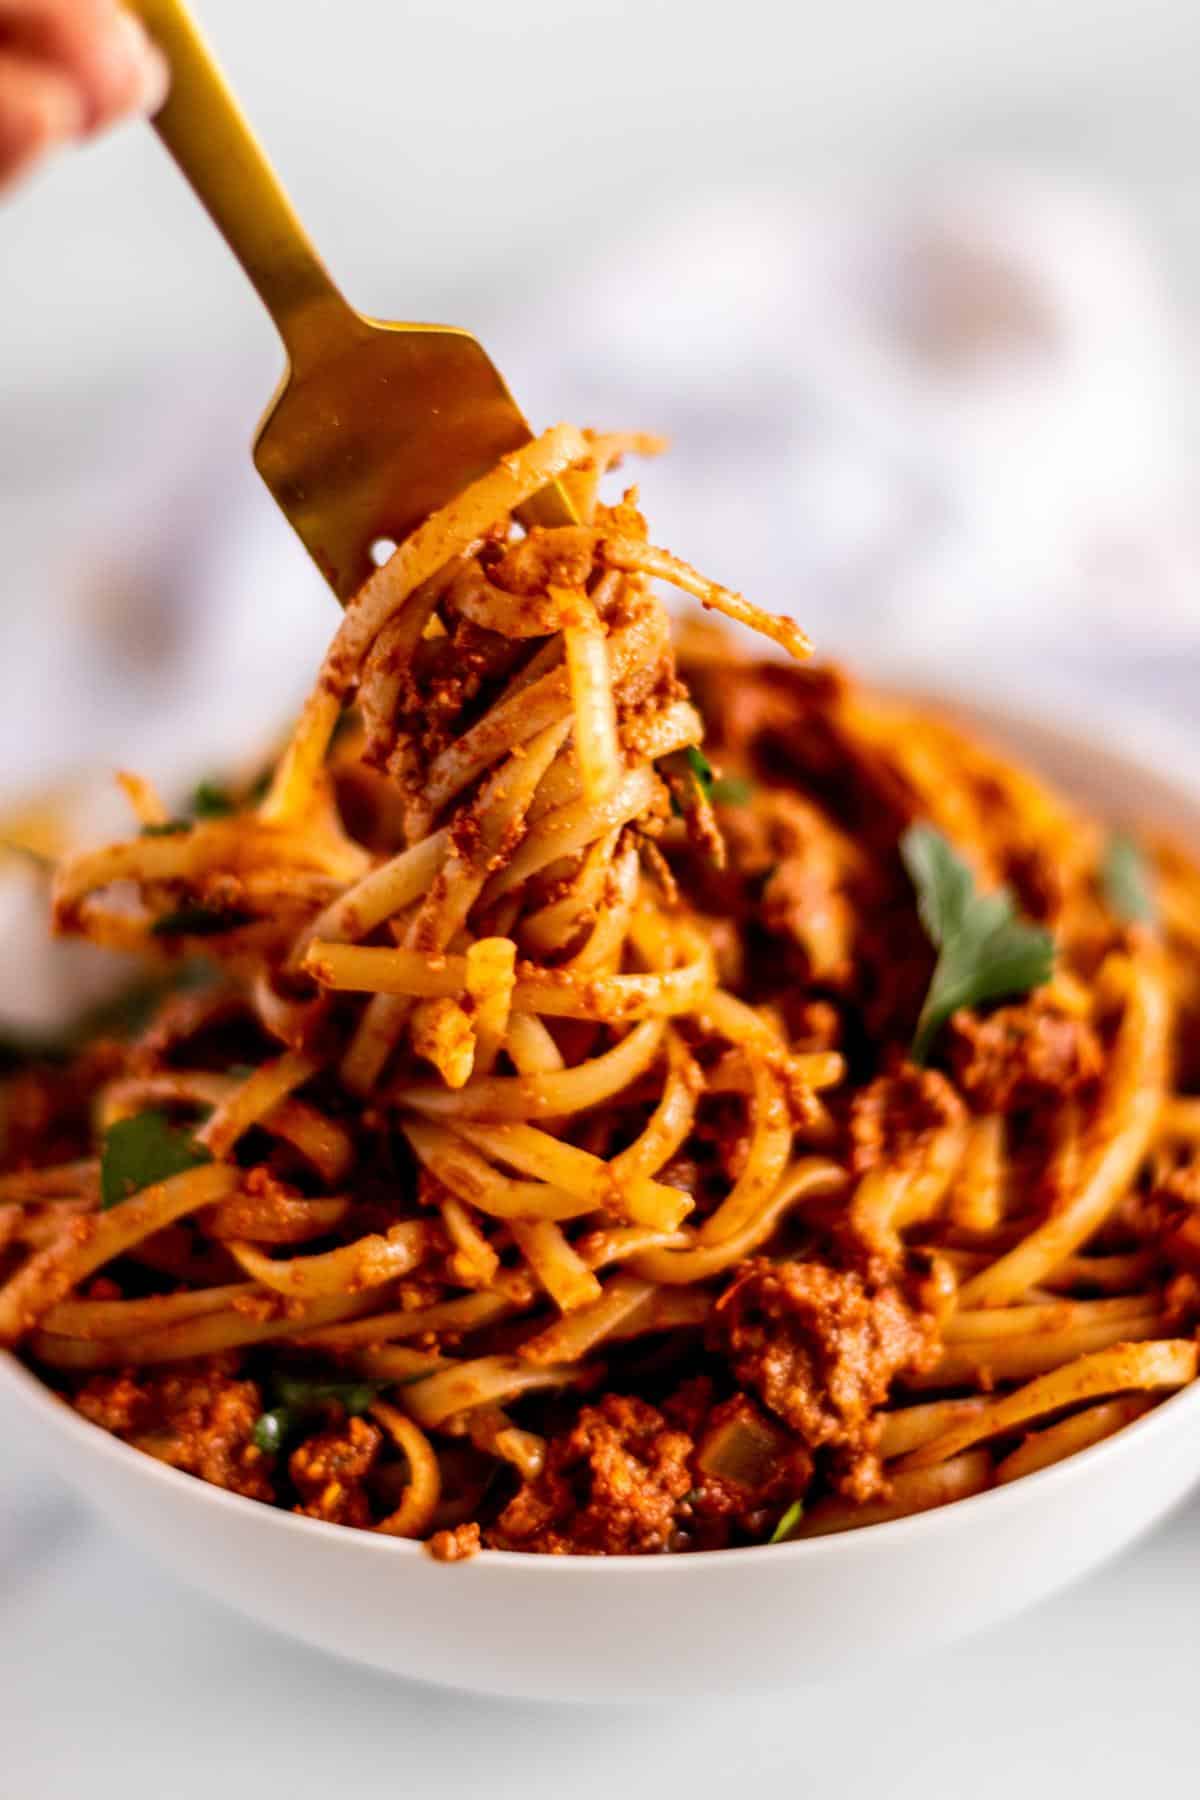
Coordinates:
column 300, row 1400
column 701, row 768
column 169, row 828
column 298, row 1390
column 211, row 801
column 1126, row 881
column 689, row 778
column 729, row 790
column 194, row 921
column 693, row 780
column 985, row 952
column 142, row 1150
column 272, row 1430
column 787, row 1523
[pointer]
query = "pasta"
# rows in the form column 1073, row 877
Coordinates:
column 573, row 1145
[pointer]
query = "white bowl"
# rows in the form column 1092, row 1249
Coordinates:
column 624, row 1628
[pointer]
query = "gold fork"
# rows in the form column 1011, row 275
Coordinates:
column 374, row 425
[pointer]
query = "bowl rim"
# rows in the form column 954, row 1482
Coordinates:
column 1150, row 748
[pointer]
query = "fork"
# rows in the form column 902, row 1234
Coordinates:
column 374, row 425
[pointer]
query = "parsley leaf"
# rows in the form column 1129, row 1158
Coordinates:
column 272, row 1430
column 300, row 1400
column 142, row 1150
column 787, row 1523
column 1126, row 881
column 211, row 801
column 730, row 790
column 701, row 768
column 689, row 778
column 169, row 828
column 299, row 1390
column 985, row 952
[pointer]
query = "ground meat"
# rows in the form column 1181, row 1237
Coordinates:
column 329, row 1473
column 689, row 1407
column 789, row 726
column 610, row 1486
column 457, row 1545
column 117, row 1403
column 822, row 1349
column 1022, row 1056
column 893, row 1118
column 786, row 872
column 198, row 1419
column 764, row 703
column 803, row 897
column 627, row 1478
column 443, row 677
column 557, row 556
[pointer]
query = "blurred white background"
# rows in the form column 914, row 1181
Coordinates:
column 444, row 151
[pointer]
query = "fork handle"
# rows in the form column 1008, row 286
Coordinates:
column 207, row 133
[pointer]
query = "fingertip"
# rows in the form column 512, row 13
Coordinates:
column 121, row 71
column 143, row 75
column 157, row 82
column 56, row 113
column 39, row 110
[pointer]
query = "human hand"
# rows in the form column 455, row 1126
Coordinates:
column 68, row 68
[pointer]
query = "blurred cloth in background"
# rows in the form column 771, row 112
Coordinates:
column 939, row 427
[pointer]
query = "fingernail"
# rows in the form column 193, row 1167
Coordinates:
column 147, row 64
